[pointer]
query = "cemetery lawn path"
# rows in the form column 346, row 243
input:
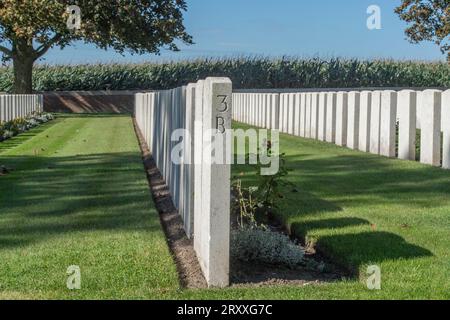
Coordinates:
column 78, row 195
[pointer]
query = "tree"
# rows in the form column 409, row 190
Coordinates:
column 429, row 20
column 28, row 29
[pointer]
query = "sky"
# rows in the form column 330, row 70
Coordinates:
column 304, row 28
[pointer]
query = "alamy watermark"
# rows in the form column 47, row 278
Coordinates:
column 374, row 280
column 74, row 19
column 374, row 19
column 227, row 146
column 73, row 278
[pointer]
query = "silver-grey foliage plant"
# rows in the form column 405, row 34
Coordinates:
column 265, row 246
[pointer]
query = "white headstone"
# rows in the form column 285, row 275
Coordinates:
column 297, row 115
column 213, row 251
column 285, row 108
column 2, row 109
column 322, row 130
column 314, row 115
column 388, row 123
column 331, row 117
column 375, row 122
column 265, row 111
column 353, row 120
column 446, row 129
column 253, row 110
column 308, row 115
column 303, row 115
column 341, row 118
column 188, row 185
column 201, row 237
column 419, row 108
column 365, row 107
column 291, row 113
column 407, row 113
column 281, row 112
column 430, row 141
column 275, row 111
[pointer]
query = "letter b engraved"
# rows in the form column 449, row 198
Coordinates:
column 220, row 124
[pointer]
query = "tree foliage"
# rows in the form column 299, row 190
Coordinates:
column 28, row 29
column 429, row 20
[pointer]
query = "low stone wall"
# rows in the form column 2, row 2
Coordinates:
column 89, row 101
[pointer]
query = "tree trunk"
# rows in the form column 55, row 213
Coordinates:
column 23, row 74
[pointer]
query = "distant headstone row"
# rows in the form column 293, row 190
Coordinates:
column 369, row 121
column 200, row 189
column 14, row 106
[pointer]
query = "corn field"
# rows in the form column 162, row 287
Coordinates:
column 246, row 73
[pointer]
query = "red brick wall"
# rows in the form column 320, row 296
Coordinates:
column 89, row 102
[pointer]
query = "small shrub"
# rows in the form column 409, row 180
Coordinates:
column 254, row 205
column 14, row 127
column 270, row 187
column 31, row 123
column 245, row 204
column 265, row 246
column 7, row 134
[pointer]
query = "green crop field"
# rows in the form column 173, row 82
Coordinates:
column 246, row 73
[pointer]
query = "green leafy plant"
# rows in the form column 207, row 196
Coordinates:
column 428, row 20
column 246, row 204
column 254, row 205
column 14, row 127
column 28, row 29
column 270, row 187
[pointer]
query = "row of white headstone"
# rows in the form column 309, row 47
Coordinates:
column 360, row 120
column 14, row 106
column 200, row 189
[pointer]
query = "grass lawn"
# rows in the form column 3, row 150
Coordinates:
column 79, row 196
column 84, row 200
column 363, row 209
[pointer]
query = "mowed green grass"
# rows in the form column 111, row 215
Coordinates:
column 84, row 201
column 363, row 210
column 78, row 195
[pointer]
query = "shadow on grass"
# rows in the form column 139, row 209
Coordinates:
column 350, row 250
column 93, row 115
column 357, row 180
column 365, row 177
column 362, row 180
column 335, row 223
column 355, row 250
column 102, row 192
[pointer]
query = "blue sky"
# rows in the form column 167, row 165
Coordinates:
column 324, row 28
